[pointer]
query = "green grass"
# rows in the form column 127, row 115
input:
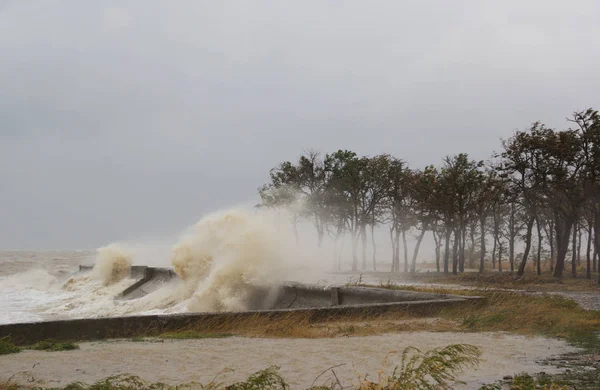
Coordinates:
column 190, row 334
column 54, row 346
column 7, row 347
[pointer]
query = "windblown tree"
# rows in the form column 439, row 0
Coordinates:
column 399, row 204
column 456, row 186
column 545, row 178
column 301, row 189
column 359, row 186
column 523, row 167
column 564, row 191
column 588, row 129
column 422, row 189
column 499, row 221
column 375, row 185
column 487, row 192
column 312, row 179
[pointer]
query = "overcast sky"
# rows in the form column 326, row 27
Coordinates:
column 120, row 119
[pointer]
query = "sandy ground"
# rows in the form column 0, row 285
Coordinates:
column 301, row 360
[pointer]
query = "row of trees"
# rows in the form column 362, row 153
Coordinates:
column 544, row 178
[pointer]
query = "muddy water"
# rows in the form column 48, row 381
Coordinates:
column 301, row 360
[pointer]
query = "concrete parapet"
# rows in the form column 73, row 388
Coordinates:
column 154, row 325
column 315, row 303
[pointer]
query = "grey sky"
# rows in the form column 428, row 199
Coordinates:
column 120, row 119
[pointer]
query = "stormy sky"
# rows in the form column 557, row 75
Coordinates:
column 121, row 119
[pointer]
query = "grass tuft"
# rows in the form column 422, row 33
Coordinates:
column 431, row 370
column 54, row 346
column 267, row 379
column 7, row 346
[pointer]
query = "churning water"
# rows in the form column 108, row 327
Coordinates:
column 220, row 260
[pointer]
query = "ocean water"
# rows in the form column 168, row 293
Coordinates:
column 30, row 282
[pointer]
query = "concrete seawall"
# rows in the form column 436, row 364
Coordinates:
column 153, row 325
column 308, row 302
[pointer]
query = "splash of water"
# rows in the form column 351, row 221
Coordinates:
column 227, row 256
column 113, row 264
column 228, row 261
column 224, row 261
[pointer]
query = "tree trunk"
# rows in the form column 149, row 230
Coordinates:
column 472, row 249
column 437, row 251
column 413, row 265
column 588, row 252
column 539, row 251
column 511, row 253
column 455, row 251
column 512, row 230
column 494, row 248
column 597, row 231
column 595, row 261
column 397, row 250
column 574, row 255
column 521, row 270
column 579, row 244
column 447, row 251
column 482, row 244
column 551, row 242
column 320, row 232
column 563, row 231
column 499, row 256
column 363, row 239
column 462, row 243
column 393, row 250
column 405, row 247
column 355, row 237
column 374, row 247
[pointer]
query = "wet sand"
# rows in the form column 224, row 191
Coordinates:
column 301, row 360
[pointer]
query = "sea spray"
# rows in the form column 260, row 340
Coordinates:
column 113, row 264
column 231, row 260
column 228, row 256
column 228, row 261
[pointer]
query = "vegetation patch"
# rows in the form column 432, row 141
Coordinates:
column 7, row 347
column 434, row 369
column 54, row 346
column 506, row 280
column 547, row 315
